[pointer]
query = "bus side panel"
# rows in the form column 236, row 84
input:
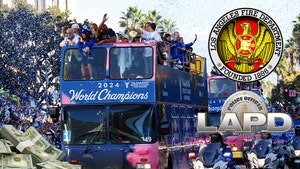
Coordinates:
column 183, row 137
column 180, row 87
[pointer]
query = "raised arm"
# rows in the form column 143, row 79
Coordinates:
column 104, row 19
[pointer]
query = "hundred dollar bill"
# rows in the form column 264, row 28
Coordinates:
column 57, row 165
column 5, row 147
column 16, row 160
column 36, row 138
column 55, row 153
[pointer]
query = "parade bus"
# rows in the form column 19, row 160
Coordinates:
column 120, row 109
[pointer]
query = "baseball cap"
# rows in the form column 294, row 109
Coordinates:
column 75, row 25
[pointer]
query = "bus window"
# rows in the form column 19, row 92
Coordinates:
column 132, row 124
column 84, row 125
column 219, row 88
column 84, row 66
column 131, row 63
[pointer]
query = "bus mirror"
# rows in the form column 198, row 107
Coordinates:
column 164, row 127
column 54, row 113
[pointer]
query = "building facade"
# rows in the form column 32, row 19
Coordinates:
column 41, row 5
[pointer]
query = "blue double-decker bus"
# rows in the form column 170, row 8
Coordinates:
column 122, row 110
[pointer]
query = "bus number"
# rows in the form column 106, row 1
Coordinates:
column 108, row 85
column 146, row 139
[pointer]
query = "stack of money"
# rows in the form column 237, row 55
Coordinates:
column 10, row 133
column 16, row 161
column 30, row 142
column 57, row 165
column 41, row 149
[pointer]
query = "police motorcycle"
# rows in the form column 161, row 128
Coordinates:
column 284, row 149
column 262, row 155
column 212, row 156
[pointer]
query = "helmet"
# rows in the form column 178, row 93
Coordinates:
column 265, row 135
column 297, row 130
column 216, row 137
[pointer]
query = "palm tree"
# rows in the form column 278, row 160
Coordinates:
column 135, row 18
column 134, row 15
column 169, row 25
column 154, row 16
column 296, row 35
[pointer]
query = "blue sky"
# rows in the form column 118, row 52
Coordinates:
column 191, row 16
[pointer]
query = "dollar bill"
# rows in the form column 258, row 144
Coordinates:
column 57, row 165
column 5, row 147
column 16, row 160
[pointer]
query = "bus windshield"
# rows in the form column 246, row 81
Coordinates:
column 221, row 88
column 84, row 125
column 82, row 65
column 131, row 62
column 132, row 124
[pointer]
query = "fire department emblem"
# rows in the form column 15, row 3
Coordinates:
column 245, row 45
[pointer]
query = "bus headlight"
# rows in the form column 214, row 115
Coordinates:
column 143, row 166
column 297, row 153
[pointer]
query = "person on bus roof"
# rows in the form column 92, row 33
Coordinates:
column 70, row 39
column 178, row 49
column 84, row 44
column 149, row 35
column 105, row 34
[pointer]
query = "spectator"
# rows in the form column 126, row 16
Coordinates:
column 190, row 58
column 70, row 39
column 149, row 35
column 105, row 34
column 161, row 32
column 75, row 28
column 215, row 72
column 178, row 50
column 167, row 50
column 123, row 56
column 93, row 28
column 84, row 44
column 136, row 39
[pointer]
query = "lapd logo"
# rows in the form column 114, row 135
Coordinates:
column 245, row 45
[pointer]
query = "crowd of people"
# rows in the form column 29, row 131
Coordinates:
column 22, row 114
column 172, row 49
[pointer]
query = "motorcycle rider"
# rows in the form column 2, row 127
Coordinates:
column 262, row 154
column 294, row 146
column 297, row 135
column 219, row 138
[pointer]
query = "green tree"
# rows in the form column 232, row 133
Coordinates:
column 133, row 17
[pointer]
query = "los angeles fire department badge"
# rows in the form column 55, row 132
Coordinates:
column 245, row 45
